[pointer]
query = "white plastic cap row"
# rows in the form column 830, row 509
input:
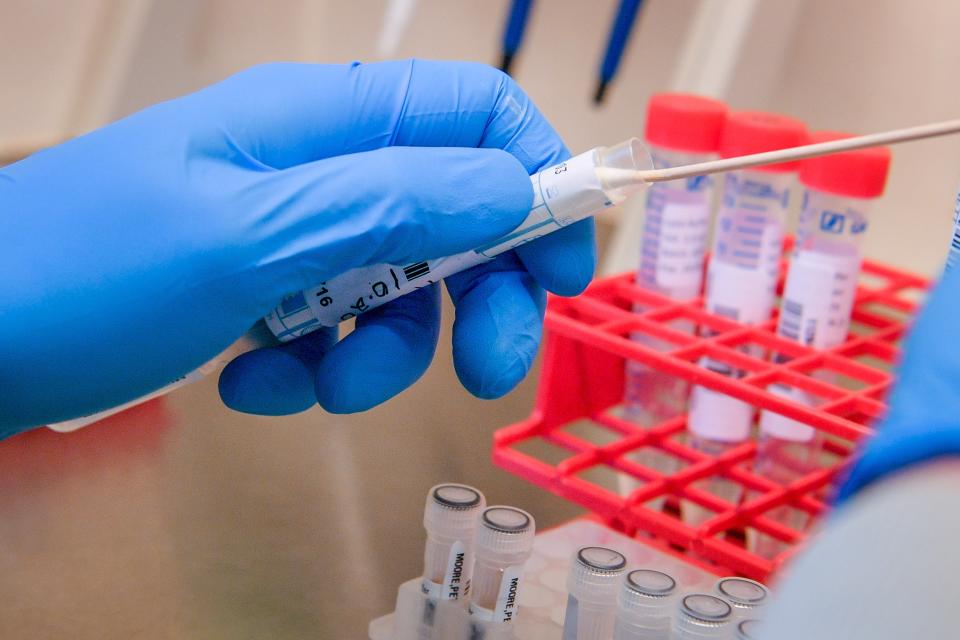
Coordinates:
column 501, row 534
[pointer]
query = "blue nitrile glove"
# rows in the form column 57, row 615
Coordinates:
column 132, row 255
column 923, row 422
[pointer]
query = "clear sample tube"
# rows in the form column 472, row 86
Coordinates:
column 742, row 276
column 563, row 194
column 702, row 616
column 592, row 585
column 646, row 606
column 748, row 630
column 504, row 541
column 817, row 302
column 450, row 518
column 745, row 596
column 681, row 129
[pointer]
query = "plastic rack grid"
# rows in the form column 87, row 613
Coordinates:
column 588, row 340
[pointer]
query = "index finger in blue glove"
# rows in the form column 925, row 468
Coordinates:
column 309, row 223
column 412, row 103
column 309, row 112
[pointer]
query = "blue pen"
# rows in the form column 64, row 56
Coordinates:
column 513, row 33
column 619, row 34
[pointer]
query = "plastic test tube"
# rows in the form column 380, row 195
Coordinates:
column 504, row 541
column 702, row 616
column 646, row 606
column 450, row 518
column 744, row 596
column 592, row 585
column 563, row 194
column 742, row 274
column 817, row 302
column 681, row 129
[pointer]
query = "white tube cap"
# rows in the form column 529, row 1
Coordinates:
column 505, row 535
column 595, row 575
column 742, row 593
column 451, row 511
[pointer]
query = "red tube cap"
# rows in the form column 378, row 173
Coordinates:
column 749, row 132
column 852, row 174
column 685, row 122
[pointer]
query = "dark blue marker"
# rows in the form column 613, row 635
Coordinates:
column 513, row 33
column 619, row 34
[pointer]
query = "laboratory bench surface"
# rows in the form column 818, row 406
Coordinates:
column 182, row 519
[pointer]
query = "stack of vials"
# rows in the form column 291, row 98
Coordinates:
column 473, row 583
column 606, row 600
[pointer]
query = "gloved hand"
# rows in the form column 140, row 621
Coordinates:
column 923, row 422
column 132, row 255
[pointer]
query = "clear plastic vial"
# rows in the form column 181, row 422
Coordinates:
column 817, row 303
column 681, row 129
column 745, row 596
column 450, row 518
column 742, row 276
column 645, row 606
column 595, row 576
column 504, row 542
column 701, row 616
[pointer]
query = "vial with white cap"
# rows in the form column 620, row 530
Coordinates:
column 742, row 277
column 646, row 605
column 450, row 518
column 748, row 630
column 817, row 303
column 592, row 585
column 701, row 616
column 504, row 541
column 745, row 596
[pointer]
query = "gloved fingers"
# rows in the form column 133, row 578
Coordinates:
column 286, row 114
column 563, row 261
column 394, row 205
column 390, row 348
column 922, row 421
column 276, row 381
column 928, row 376
column 498, row 325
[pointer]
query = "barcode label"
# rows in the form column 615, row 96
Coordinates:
column 416, row 270
column 794, row 326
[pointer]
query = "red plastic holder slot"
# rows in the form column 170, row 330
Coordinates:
column 578, row 445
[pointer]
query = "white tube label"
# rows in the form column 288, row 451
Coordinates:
column 817, row 301
column 506, row 607
column 563, row 194
column 745, row 295
column 456, row 581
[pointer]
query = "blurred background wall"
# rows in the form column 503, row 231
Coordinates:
column 183, row 519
